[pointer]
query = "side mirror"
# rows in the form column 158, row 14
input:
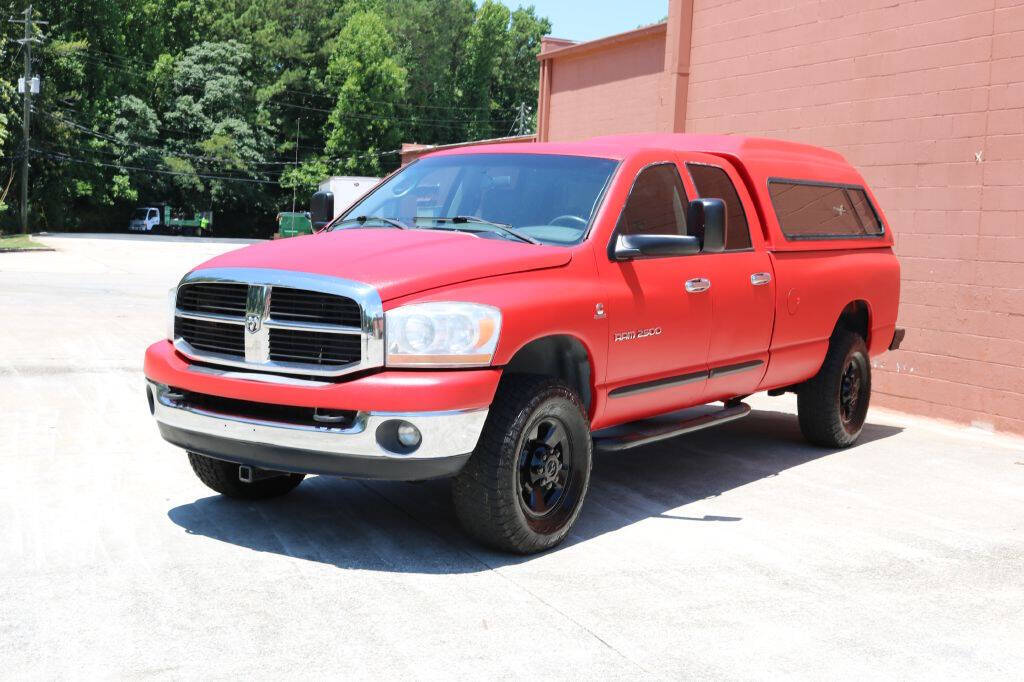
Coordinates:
column 630, row 246
column 706, row 218
column 321, row 209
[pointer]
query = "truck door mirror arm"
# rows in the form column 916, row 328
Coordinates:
column 706, row 218
column 631, row 246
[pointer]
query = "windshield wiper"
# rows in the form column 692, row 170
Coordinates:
column 363, row 219
column 500, row 227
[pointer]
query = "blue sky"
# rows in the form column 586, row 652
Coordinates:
column 589, row 19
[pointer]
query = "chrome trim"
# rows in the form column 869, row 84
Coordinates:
column 444, row 434
column 760, row 278
column 208, row 317
column 257, row 335
column 258, row 376
column 698, row 285
column 311, row 327
column 261, row 282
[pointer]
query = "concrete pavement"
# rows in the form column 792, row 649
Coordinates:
column 734, row 553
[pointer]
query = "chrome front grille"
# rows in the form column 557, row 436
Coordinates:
column 212, row 337
column 297, row 305
column 279, row 321
column 219, row 298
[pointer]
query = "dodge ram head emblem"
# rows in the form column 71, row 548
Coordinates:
column 253, row 323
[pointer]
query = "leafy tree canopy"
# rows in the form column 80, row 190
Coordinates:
column 233, row 105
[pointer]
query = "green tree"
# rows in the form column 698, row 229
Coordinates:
column 232, row 104
column 370, row 86
column 518, row 79
column 221, row 129
column 483, row 59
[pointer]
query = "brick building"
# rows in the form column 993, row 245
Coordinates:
column 925, row 97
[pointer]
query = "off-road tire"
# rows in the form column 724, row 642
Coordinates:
column 222, row 477
column 819, row 399
column 487, row 492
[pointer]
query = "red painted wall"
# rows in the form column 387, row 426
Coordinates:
column 911, row 92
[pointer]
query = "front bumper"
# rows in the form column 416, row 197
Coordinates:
column 363, row 448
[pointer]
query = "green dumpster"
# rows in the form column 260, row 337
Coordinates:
column 293, row 223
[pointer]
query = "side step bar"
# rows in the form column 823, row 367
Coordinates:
column 645, row 432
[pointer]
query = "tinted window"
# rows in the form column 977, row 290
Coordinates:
column 657, row 204
column 713, row 183
column 821, row 211
column 549, row 197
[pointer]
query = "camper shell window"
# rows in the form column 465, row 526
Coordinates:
column 818, row 210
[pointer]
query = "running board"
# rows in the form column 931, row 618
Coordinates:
column 645, row 432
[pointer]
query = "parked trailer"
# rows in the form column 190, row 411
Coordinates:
column 336, row 194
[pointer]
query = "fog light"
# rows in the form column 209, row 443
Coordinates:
column 408, row 435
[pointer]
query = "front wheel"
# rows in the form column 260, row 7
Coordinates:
column 833, row 405
column 523, row 488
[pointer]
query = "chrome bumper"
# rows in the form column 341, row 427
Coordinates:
column 359, row 450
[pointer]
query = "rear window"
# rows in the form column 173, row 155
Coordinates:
column 713, row 183
column 807, row 210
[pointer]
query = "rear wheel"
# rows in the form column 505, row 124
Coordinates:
column 833, row 405
column 222, row 477
column 523, row 488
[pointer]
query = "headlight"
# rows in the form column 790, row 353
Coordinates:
column 172, row 302
column 442, row 334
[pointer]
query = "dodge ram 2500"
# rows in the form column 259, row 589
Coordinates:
column 494, row 314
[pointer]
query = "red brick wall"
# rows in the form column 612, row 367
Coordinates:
column 605, row 87
column 910, row 92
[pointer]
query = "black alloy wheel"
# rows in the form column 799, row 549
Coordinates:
column 849, row 392
column 545, row 469
column 524, row 486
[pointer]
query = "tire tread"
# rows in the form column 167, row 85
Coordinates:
column 819, row 417
column 486, row 507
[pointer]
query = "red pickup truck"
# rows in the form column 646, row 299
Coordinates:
column 495, row 313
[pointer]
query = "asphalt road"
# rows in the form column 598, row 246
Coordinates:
column 734, row 553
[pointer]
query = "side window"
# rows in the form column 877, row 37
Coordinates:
column 713, row 183
column 819, row 211
column 657, row 204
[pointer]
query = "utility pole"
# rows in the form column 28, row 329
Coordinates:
column 28, row 86
column 295, row 187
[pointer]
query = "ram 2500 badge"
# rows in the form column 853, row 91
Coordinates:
column 493, row 314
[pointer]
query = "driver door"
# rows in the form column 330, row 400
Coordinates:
column 659, row 317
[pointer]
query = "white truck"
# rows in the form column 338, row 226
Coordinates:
column 337, row 193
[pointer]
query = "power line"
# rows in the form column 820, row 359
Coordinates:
column 65, row 157
column 371, row 117
column 114, row 140
column 170, row 152
column 62, row 156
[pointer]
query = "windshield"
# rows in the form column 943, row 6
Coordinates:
column 140, row 214
column 546, row 197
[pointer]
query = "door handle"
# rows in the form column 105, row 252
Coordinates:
column 697, row 285
column 760, row 278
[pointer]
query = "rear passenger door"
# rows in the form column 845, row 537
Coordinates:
column 742, row 286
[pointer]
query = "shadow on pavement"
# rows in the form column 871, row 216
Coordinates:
column 411, row 527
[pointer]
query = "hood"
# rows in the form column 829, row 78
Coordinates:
column 396, row 262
